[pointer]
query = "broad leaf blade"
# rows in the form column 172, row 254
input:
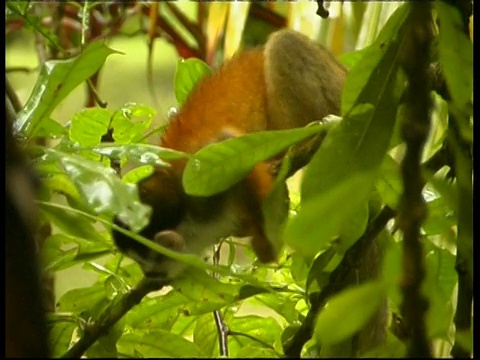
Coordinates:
column 100, row 186
column 157, row 344
column 220, row 165
column 317, row 222
column 188, row 73
column 456, row 56
column 348, row 312
column 56, row 80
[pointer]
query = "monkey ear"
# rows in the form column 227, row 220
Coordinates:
column 170, row 239
column 228, row 132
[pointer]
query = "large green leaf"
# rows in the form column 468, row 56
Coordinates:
column 56, row 80
column 220, row 165
column 56, row 256
column 130, row 122
column 389, row 183
column 456, row 56
column 265, row 329
column 205, row 335
column 361, row 140
column 317, row 222
column 348, row 312
column 81, row 299
column 157, row 344
column 155, row 313
column 188, row 73
column 89, row 125
column 100, row 188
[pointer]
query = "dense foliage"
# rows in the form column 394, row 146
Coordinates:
column 352, row 188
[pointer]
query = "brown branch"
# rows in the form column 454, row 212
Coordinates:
column 113, row 314
column 261, row 12
column 413, row 209
column 26, row 332
column 336, row 283
column 349, row 262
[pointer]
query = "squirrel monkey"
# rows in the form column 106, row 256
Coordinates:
column 288, row 83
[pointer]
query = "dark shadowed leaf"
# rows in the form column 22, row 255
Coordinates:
column 456, row 55
column 348, row 312
column 316, row 224
column 157, row 344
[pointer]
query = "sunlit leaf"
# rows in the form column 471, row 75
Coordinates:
column 56, row 80
column 189, row 72
column 205, row 335
column 89, row 125
column 130, row 122
column 100, row 186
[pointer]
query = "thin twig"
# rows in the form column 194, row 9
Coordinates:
column 222, row 328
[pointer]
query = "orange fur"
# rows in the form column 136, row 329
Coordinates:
column 288, row 83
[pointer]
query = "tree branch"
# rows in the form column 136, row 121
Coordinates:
column 350, row 261
column 413, row 209
column 113, row 314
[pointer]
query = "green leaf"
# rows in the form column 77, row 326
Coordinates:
column 346, row 313
column 205, row 335
column 89, row 125
column 275, row 207
column 205, row 292
column 188, row 73
column 316, row 224
column 60, row 337
column 56, row 80
column 72, row 224
column 55, row 257
column 51, row 129
column 389, row 183
column 361, row 140
column 441, row 220
column 81, row 299
column 316, row 271
column 157, row 313
column 265, row 329
column 139, row 153
column 157, row 344
column 130, row 122
column 392, row 30
column 137, row 174
column 282, row 304
column 441, row 269
column 218, row 166
column 456, row 56
column 100, row 188
column 352, row 229
column 256, row 352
